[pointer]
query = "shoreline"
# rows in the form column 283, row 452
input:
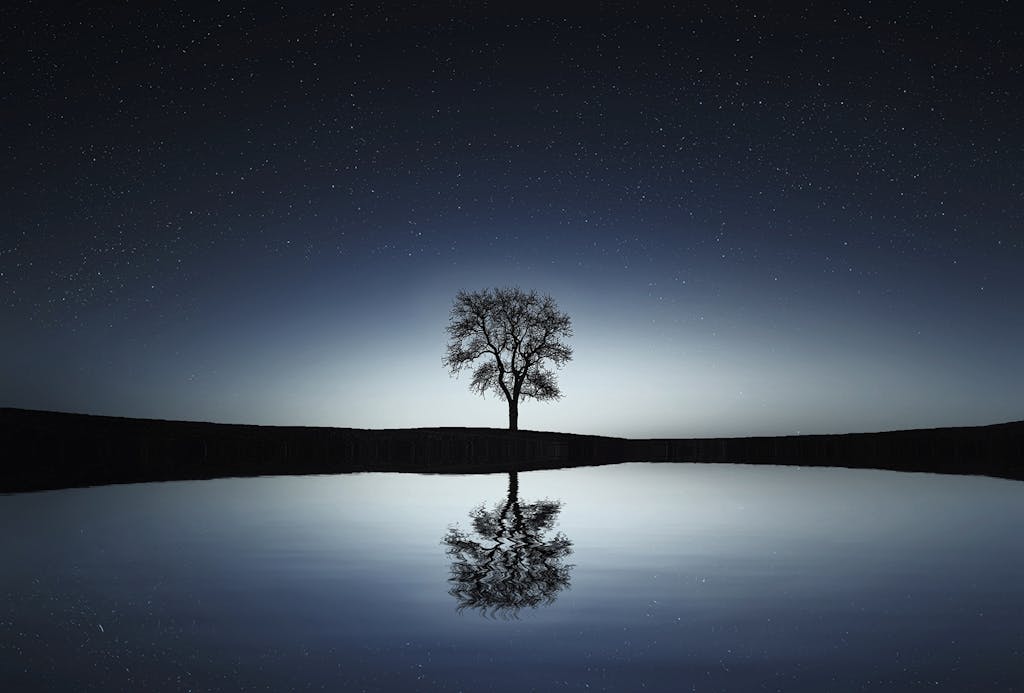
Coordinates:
column 53, row 450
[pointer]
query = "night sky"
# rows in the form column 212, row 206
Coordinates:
column 762, row 221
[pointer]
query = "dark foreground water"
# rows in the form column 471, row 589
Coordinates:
column 632, row 577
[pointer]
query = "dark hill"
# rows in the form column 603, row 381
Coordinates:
column 45, row 450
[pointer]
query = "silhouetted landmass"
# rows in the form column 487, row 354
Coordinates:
column 44, row 450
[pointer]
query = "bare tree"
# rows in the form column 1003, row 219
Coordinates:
column 509, row 336
column 508, row 561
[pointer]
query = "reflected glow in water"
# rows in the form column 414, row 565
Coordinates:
column 629, row 577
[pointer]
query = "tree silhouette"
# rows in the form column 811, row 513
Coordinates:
column 516, row 334
column 507, row 562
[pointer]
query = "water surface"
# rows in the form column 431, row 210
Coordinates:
column 626, row 577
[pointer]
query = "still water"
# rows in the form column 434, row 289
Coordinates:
column 631, row 577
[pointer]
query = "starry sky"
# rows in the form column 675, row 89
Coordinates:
column 762, row 219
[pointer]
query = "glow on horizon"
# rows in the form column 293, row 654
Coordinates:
column 635, row 373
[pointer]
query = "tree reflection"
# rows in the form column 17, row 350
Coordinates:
column 508, row 561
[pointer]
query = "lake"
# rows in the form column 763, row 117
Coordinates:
column 631, row 577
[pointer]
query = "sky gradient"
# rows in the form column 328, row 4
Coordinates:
column 762, row 221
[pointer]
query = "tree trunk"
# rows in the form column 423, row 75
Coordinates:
column 513, row 488
column 513, row 415
column 513, row 497
column 513, row 502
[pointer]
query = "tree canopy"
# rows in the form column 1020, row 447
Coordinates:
column 510, row 338
column 509, row 561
